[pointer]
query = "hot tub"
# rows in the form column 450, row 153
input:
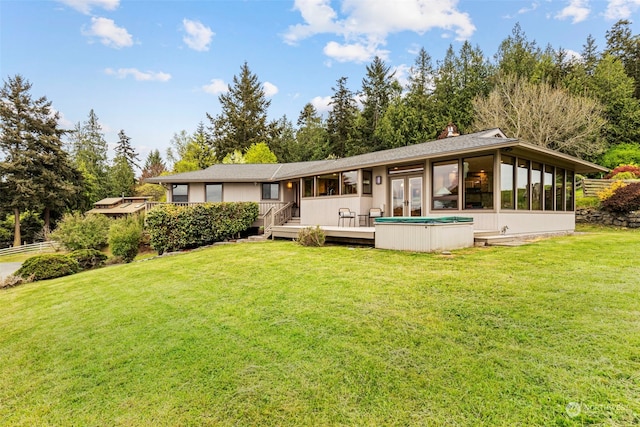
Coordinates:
column 424, row 234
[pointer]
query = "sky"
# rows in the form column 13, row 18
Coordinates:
column 156, row 67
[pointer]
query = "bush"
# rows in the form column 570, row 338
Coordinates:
column 610, row 190
column 632, row 171
column 76, row 231
column 624, row 199
column 47, row 266
column 174, row 227
column 88, row 258
column 124, row 238
column 311, row 236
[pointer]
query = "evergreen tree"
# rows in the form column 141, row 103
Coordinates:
column 517, row 55
column 153, row 165
column 196, row 151
column 35, row 172
column 243, row 120
column 378, row 88
column 341, row 124
column 283, row 142
column 614, row 89
column 311, row 136
column 623, row 45
column 121, row 174
column 89, row 152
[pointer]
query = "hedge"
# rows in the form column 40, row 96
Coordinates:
column 173, row 227
column 47, row 266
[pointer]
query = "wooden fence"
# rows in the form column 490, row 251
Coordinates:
column 34, row 247
column 592, row 187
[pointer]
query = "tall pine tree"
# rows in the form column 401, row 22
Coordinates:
column 122, row 172
column 35, row 172
column 243, row 120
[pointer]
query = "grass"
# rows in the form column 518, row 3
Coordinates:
column 277, row 334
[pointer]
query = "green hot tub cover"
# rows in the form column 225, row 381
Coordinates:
column 422, row 220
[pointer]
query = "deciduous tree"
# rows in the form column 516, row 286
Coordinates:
column 542, row 115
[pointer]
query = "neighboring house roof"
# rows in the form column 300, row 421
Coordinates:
column 116, row 206
column 457, row 145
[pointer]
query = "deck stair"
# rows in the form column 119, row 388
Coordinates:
column 494, row 238
column 294, row 221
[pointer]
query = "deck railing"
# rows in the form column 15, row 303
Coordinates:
column 276, row 216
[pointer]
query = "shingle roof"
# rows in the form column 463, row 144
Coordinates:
column 489, row 139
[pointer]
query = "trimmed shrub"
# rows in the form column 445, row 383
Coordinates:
column 174, row 227
column 88, row 258
column 47, row 266
column 125, row 236
column 76, row 231
column 621, row 154
column 311, row 236
column 630, row 171
column 624, row 199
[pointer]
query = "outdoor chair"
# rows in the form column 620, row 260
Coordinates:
column 373, row 214
column 346, row 214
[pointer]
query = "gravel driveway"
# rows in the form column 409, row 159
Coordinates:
column 8, row 268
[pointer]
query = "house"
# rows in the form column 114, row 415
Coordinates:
column 116, row 207
column 502, row 183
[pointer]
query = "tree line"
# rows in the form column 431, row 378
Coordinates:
column 586, row 106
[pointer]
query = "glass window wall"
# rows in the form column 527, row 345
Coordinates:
column 522, row 184
column 478, row 182
column 445, row 185
column 506, row 182
column 349, row 182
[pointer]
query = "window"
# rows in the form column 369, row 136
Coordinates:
column 478, row 182
column 308, row 187
column 270, row 191
column 180, row 193
column 547, row 181
column 569, row 191
column 445, row 185
column 536, row 186
column 506, row 182
column 559, row 189
column 349, row 182
column 213, row 193
column 367, row 185
column 328, row 185
column 523, row 195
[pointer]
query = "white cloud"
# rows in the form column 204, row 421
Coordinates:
column 109, row 33
column 85, row 6
column 216, row 87
column 198, row 35
column 138, row 75
column 321, row 104
column 363, row 26
column 621, row 9
column 577, row 10
column 269, row 89
column 355, row 52
column 531, row 8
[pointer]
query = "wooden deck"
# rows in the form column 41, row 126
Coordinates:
column 356, row 235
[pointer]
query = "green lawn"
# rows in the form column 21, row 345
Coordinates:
column 277, row 334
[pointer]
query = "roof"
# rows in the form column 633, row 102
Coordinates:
column 457, row 145
column 115, row 206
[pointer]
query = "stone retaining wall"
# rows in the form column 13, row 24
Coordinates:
column 595, row 216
